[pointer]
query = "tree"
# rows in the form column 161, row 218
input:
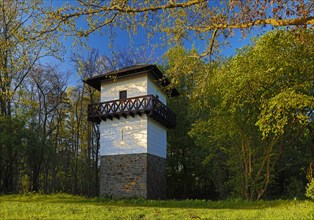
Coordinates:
column 211, row 15
column 260, row 103
column 189, row 173
column 47, row 88
column 180, row 20
column 12, row 145
column 40, row 101
column 20, row 51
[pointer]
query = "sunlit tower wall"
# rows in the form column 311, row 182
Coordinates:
column 134, row 119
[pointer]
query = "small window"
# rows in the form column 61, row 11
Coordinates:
column 122, row 94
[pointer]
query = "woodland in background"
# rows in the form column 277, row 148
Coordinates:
column 46, row 143
column 249, row 120
column 244, row 123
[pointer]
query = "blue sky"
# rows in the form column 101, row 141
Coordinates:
column 122, row 42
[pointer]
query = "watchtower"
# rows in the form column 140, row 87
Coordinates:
column 133, row 119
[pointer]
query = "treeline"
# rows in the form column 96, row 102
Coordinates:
column 245, row 124
column 46, row 143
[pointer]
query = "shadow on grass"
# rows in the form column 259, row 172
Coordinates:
column 188, row 204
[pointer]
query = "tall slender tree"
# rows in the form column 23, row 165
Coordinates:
column 20, row 51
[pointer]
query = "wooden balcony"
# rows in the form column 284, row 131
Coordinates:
column 149, row 105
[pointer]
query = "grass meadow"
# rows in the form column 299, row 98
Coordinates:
column 63, row 206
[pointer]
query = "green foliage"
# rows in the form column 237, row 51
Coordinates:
column 12, row 146
column 12, row 132
column 295, row 188
column 22, row 46
column 310, row 189
column 23, row 151
column 279, row 111
column 62, row 206
column 259, row 104
column 289, row 77
column 188, row 176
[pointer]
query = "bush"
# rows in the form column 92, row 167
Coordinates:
column 295, row 188
column 310, row 189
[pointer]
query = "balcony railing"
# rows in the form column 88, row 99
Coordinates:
column 149, row 105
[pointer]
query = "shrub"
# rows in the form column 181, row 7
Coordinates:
column 295, row 188
column 310, row 189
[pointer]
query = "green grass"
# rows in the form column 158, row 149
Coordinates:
column 62, row 206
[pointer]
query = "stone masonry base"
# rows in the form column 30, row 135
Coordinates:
column 133, row 175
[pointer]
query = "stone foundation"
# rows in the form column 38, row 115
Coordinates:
column 133, row 175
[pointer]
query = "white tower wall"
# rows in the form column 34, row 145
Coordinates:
column 123, row 136
column 153, row 89
column 157, row 139
column 140, row 134
column 135, row 86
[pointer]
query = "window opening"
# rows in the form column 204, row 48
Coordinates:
column 123, row 94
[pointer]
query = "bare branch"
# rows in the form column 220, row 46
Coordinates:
column 211, row 46
column 128, row 9
column 270, row 21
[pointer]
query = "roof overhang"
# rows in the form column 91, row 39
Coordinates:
column 96, row 81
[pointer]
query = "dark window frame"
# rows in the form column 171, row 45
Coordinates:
column 123, row 94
